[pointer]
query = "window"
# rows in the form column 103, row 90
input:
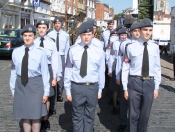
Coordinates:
column 9, row 33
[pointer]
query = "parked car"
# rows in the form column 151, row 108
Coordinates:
column 10, row 39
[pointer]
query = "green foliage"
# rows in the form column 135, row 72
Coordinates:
column 119, row 15
column 146, row 9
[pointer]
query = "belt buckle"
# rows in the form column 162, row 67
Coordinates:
column 144, row 78
column 87, row 84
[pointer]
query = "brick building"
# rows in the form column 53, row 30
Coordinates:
column 161, row 16
column 103, row 13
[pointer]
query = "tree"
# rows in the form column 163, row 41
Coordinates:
column 146, row 9
column 119, row 15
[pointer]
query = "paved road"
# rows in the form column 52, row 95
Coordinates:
column 161, row 120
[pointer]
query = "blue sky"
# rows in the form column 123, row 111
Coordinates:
column 120, row 5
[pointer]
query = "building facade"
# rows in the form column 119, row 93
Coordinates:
column 71, row 8
column 161, row 16
column 57, row 10
column 162, row 5
column 90, row 9
column 81, row 11
column 42, row 11
column 16, row 13
column 104, row 13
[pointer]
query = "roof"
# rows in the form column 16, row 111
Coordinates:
column 97, row 1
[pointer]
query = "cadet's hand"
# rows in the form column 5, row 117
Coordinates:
column 110, row 74
column 156, row 93
column 54, row 82
column 118, row 82
column 12, row 96
column 45, row 98
column 69, row 98
column 99, row 96
column 126, row 95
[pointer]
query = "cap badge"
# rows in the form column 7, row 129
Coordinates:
column 30, row 29
column 42, row 21
column 88, row 30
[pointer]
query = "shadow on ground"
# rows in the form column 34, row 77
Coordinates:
column 168, row 88
column 65, row 120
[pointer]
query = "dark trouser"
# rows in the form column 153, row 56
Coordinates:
column 141, row 95
column 124, row 105
column 84, row 100
column 164, row 48
column 61, row 82
column 174, row 65
column 53, row 100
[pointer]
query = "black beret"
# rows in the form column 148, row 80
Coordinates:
column 134, row 26
column 92, row 21
column 85, row 28
column 146, row 22
column 28, row 28
column 110, row 21
column 113, row 32
column 42, row 22
column 123, row 30
column 57, row 19
column 119, row 27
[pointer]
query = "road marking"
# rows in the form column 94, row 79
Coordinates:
column 6, row 67
column 9, row 65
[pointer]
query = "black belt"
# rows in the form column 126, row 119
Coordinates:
column 86, row 83
column 143, row 78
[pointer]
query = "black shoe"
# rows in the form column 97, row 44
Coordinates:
column 121, row 128
column 51, row 112
column 59, row 99
column 114, row 111
column 47, row 124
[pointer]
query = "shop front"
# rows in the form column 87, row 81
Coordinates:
column 25, row 19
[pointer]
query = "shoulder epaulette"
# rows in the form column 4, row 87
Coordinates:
column 52, row 39
column 40, row 48
column 98, row 43
column 127, row 44
column 76, row 44
column 126, row 59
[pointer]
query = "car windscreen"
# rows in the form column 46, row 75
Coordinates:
column 8, row 33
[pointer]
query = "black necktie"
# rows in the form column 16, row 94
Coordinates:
column 57, row 42
column 24, row 69
column 41, row 43
column 83, row 68
column 145, row 63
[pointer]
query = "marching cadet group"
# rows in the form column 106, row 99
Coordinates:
column 122, row 60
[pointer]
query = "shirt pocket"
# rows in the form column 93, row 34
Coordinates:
column 152, row 58
column 33, row 64
column 77, row 62
column 94, row 62
column 62, row 44
column 136, row 58
column 48, row 53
